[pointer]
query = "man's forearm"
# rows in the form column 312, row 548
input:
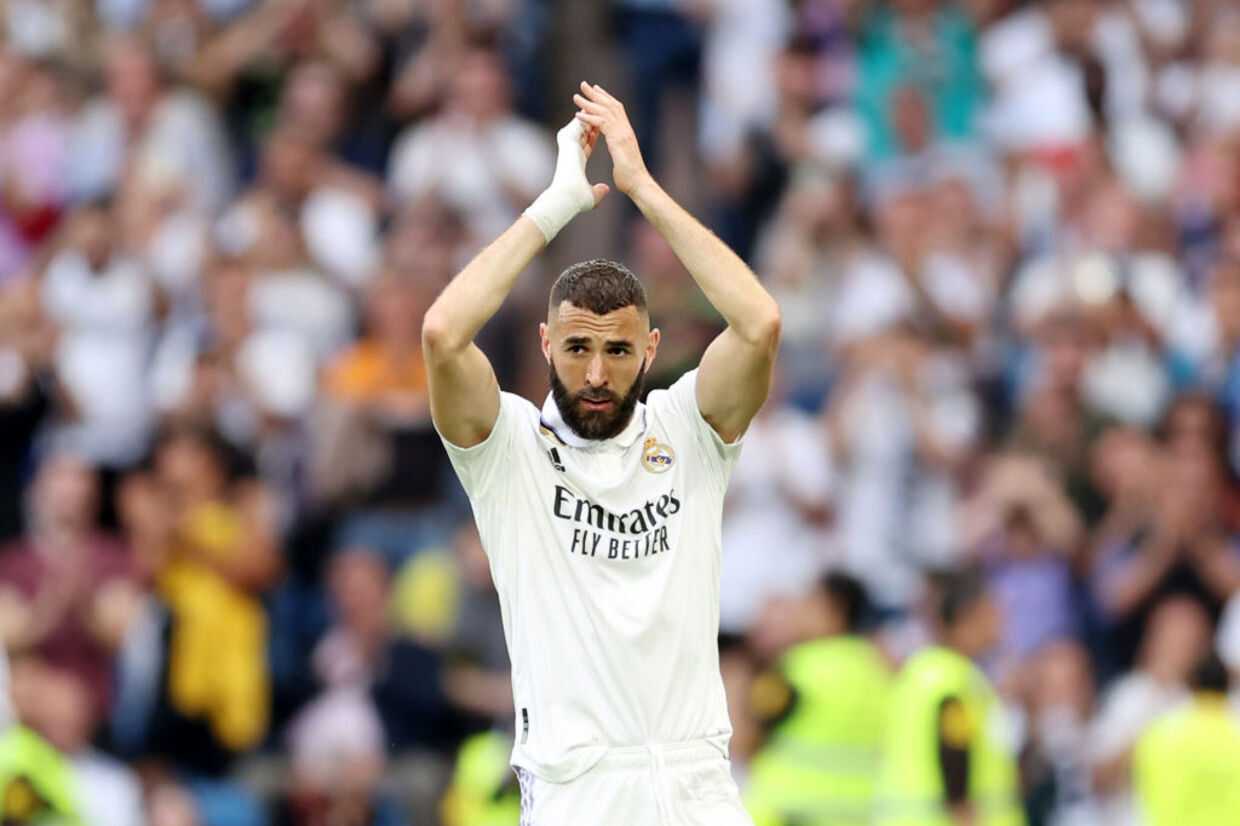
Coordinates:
column 728, row 282
column 478, row 291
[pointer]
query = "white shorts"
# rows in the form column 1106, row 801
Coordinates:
column 679, row 784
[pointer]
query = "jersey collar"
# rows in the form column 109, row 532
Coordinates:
column 553, row 421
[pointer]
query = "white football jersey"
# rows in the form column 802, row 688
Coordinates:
column 606, row 556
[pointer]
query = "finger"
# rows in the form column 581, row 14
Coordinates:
column 589, row 105
column 591, row 138
column 598, row 95
column 597, row 121
column 602, row 95
column 600, row 192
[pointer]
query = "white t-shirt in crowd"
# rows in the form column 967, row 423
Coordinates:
column 786, row 466
column 606, row 555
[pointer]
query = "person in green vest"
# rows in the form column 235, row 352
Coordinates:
column 37, row 784
column 484, row 790
column 825, row 705
column 947, row 760
column 1186, row 766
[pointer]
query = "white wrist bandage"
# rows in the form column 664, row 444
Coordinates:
column 570, row 193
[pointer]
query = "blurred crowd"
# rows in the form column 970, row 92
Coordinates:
column 239, row 584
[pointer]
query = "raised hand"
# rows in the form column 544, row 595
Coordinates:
column 604, row 113
column 570, row 192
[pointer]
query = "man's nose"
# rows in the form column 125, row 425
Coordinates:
column 596, row 373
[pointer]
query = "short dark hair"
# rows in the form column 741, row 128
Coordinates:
column 849, row 597
column 599, row 286
column 957, row 591
column 1209, row 675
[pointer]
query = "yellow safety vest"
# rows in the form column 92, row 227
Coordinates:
column 484, row 790
column 1186, row 767
column 818, row 767
column 37, row 783
column 910, row 789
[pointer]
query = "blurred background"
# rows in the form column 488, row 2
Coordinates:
column 239, row 584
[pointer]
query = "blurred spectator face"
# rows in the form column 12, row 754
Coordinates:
column 1062, row 678
column 900, row 220
column 227, row 285
column 796, row 75
column 817, row 206
column 1073, row 22
column 1195, row 424
column 40, row 91
column 910, row 116
column 55, row 703
column 1111, row 217
column 978, row 629
column 358, row 583
column 914, row 7
column 13, row 73
column 480, row 89
column 1124, row 461
column 1064, row 352
column 655, row 258
column 1175, row 639
column 313, row 103
column 186, row 463
column 1021, row 539
column 1194, row 472
column 281, row 244
column 132, row 80
column 1226, row 297
column 780, row 625
column 424, row 241
column 1223, row 37
column 394, row 308
column 953, row 205
column 171, row 805
column 290, row 164
column 66, row 494
column 93, row 234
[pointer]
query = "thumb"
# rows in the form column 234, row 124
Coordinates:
column 600, row 192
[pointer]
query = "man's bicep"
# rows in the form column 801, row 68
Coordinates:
column 733, row 381
column 464, row 396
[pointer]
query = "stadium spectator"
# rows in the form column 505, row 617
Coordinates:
column 55, row 582
column 476, row 154
column 1177, row 636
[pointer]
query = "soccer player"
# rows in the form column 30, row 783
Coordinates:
column 601, row 515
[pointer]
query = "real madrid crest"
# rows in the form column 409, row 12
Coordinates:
column 656, row 457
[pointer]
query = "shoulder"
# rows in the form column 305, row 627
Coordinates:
column 517, row 417
column 678, row 403
column 521, row 410
column 1161, row 734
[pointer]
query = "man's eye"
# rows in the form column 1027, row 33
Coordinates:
column 618, row 351
column 576, row 348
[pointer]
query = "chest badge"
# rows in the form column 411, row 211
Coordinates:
column 656, row 457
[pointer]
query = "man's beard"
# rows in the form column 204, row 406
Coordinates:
column 596, row 424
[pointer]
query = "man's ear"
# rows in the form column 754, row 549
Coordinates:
column 546, row 341
column 652, row 346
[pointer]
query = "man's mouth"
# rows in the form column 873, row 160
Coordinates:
column 596, row 404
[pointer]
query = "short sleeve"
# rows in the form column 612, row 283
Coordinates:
column 479, row 466
column 720, row 456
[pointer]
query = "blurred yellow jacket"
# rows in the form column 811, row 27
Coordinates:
column 911, row 790
column 484, row 791
column 217, row 657
column 818, row 767
column 1186, row 767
